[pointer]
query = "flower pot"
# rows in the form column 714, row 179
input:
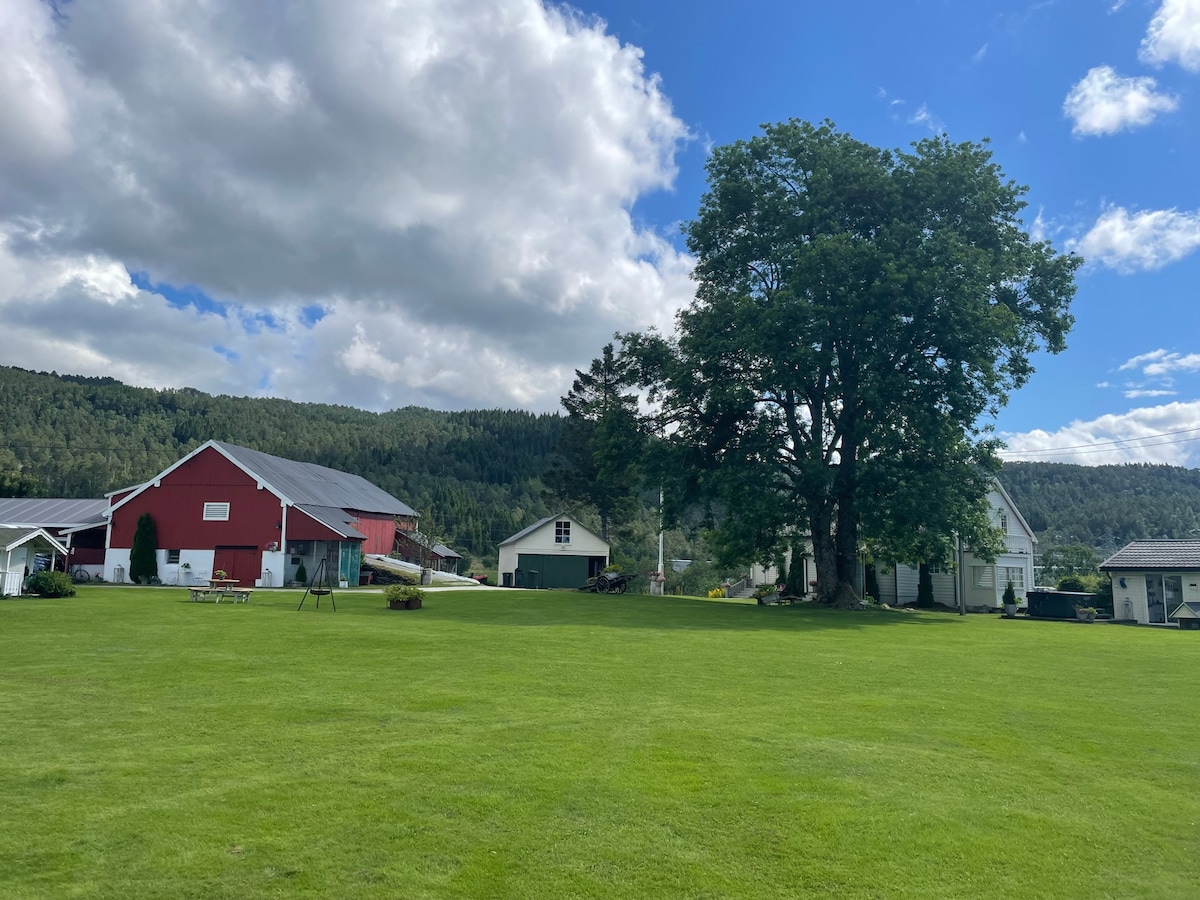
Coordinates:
column 397, row 604
column 1010, row 610
column 414, row 603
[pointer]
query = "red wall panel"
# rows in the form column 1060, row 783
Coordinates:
column 303, row 527
column 380, row 531
column 177, row 506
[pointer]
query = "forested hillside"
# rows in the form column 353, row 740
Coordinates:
column 476, row 476
column 1105, row 507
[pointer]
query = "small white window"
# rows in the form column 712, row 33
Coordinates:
column 216, row 512
column 562, row 532
column 1004, row 522
column 981, row 576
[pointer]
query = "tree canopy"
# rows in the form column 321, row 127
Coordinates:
column 859, row 313
column 602, row 442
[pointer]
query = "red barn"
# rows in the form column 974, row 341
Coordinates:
column 254, row 516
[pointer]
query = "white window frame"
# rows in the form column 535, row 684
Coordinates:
column 1004, row 522
column 562, row 531
column 1015, row 574
column 216, row 511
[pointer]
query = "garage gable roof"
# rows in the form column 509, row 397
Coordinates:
column 525, row 532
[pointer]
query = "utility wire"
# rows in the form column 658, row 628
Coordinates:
column 1147, row 437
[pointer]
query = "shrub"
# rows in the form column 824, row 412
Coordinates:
column 1010, row 594
column 51, row 584
column 1073, row 583
column 716, row 593
column 302, row 574
column 402, row 593
column 143, row 556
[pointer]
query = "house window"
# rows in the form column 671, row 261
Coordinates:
column 1004, row 522
column 562, row 532
column 172, row 557
column 1015, row 574
column 981, row 576
column 216, row 512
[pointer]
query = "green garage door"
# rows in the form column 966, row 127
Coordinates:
column 552, row 571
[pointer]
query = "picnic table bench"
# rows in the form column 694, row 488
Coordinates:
column 229, row 592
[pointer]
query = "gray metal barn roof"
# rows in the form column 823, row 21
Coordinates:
column 37, row 512
column 1140, row 555
column 312, row 485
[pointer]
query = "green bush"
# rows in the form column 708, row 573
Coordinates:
column 401, row 593
column 143, row 556
column 302, row 574
column 51, row 584
column 1010, row 594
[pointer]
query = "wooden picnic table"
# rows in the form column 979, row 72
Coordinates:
column 219, row 588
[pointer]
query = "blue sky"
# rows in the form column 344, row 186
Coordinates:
column 455, row 204
column 890, row 73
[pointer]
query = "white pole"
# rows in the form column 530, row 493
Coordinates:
column 661, row 570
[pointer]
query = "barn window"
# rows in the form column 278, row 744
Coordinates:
column 216, row 512
column 172, row 557
column 562, row 532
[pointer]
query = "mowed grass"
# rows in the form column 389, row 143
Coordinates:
column 543, row 744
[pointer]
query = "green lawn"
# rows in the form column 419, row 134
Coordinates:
column 544, row 745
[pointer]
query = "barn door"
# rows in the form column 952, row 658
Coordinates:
column 241, row 563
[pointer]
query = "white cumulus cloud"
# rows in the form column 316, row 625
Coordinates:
column 1104, row 102
column 1150, row 239
column 449, row 181
column 1169, row 433
column 1174, row 35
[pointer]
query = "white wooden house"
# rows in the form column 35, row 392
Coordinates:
column 980, row 583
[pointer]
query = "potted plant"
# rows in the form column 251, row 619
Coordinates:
column 1085, row 613
column 403, row 596
column 1010, row 601
column 219, row 574
column 186, row 569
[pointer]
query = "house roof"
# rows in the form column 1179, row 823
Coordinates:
column 1140, row 555
column 298, row 483
column 530, row 530
column 334, row 518
column 38, row 512
column 11, row 538
column 1013, row 506
column 310, row 484
column 1188, row 609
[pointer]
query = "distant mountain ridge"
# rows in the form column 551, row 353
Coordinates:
column 477, row 476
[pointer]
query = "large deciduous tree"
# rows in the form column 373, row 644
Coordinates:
column 602, row 441
column 859, row 314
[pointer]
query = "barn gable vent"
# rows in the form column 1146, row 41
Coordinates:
column 216, row 512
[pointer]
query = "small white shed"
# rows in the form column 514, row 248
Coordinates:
column 1155, row 581
column 554, row 552
column 19, row 548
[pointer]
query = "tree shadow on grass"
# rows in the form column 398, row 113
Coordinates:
column 536, row 609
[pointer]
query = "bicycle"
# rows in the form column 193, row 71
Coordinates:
column 79, row 574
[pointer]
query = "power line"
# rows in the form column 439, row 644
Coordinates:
column 1147, row 437
column 1064, row 451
